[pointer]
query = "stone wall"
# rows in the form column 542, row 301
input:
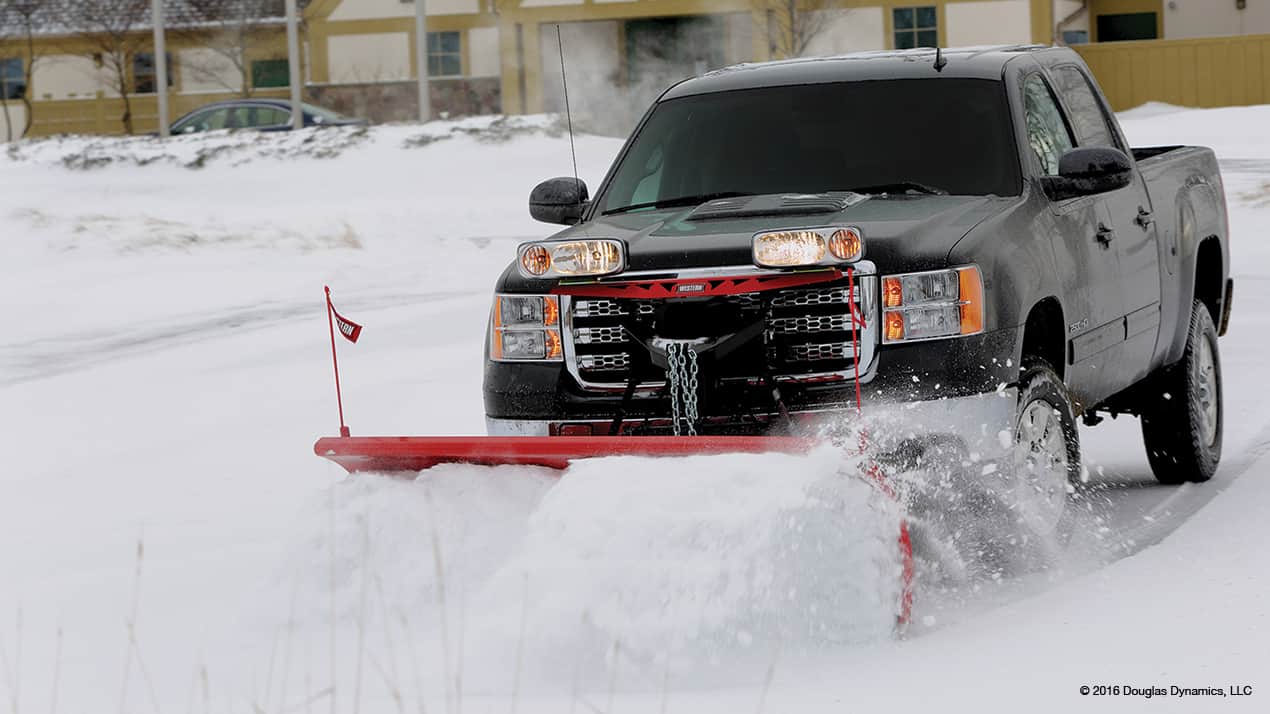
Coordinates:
column 399, row 101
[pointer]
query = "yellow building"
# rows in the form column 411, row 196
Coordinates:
column 486, row 56
column 504, row 55
column 78, row 81
column 1198, row 53
column 362, row 58
column 1080, row 21
column 498, row 55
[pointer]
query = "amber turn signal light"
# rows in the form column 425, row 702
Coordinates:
column 535, row 260
column 892, row 292
column 550, row 312
column 894, row 326
column 846, row 244
column 971, row 287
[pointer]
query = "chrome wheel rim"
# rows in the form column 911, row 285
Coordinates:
column 1041, row 465
column 1206, row 391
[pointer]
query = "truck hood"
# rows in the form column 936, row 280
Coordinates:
column 901, row 232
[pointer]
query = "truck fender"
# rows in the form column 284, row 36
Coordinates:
column 1044, row 334
column 1198, row 235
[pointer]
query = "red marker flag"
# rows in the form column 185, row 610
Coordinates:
column 349, row 329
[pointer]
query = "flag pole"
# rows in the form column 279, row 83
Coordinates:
column 330, row 321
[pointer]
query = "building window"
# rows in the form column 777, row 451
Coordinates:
column 12, row 81
column 444, row 56
column 1075, row 37
column 915, row 27
column 144, row 76
column 1127, row 26
column 270, row 73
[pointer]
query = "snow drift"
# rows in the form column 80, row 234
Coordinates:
column 164, row 370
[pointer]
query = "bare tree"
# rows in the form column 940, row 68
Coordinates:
column 237, row 31
column 794, row 24
column 111, row 33
column 22, row 19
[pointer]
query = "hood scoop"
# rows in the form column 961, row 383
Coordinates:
column 776, row 204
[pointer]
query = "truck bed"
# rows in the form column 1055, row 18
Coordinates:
column 1174, row 173
column 1143, row 153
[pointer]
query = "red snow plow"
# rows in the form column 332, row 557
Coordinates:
column 415, row 453
column 408, row 455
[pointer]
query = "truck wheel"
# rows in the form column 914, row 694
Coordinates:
column 971, row 520
column 1046, row 456
column 1182, row 417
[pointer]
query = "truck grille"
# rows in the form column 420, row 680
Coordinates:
column 808, row 333
column 818, row 352
column 804, row 298
column 617, row 362
column 599, row 335
column 811, row 323
column 603, row 307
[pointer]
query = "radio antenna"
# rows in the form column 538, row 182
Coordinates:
column 564, row 83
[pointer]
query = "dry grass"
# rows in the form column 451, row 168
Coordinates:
column 133, row 650
column 381, row 655
column 13, row 671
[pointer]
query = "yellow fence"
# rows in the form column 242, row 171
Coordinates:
column 1206, row 72
column 104, row 115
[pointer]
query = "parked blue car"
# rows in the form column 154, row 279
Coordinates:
column 258, row 114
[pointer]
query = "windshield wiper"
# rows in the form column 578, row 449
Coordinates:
column 680, row 201
column 901, row 187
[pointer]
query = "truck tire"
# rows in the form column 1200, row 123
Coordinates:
column 1182, row 414
column 972, row 520
column 1046, row 454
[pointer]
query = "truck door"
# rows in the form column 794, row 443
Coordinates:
column 1088, row 268
column 1127, row 212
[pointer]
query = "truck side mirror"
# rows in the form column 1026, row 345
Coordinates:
column 559, row 200
column 1087, row 171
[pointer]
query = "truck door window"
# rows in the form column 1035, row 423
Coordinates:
column 1047, row 131
column 1088, row 118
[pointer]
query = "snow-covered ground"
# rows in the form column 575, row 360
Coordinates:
column 168, row 541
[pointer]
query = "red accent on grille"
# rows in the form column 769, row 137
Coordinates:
column 709, row 287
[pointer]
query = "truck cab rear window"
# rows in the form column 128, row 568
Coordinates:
column 950, row 134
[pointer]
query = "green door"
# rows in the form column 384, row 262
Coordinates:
column 663, row 50
column 1127, row 26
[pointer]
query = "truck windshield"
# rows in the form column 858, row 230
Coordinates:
column 943, row 135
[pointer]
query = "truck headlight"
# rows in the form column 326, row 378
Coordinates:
column 525, row 327
column 571, row 259
column 933, row 304
column 812, row 246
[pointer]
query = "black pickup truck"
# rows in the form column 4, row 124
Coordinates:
column 964, row 238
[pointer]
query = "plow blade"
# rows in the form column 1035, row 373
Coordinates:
column 389, row 454
column 415, row 453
